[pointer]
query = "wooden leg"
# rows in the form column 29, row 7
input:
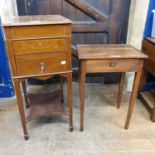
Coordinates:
column 152, row 116
column 25, row 93
column 61, row 88
column 133, row 97
column 82, row 76
column 120, row 89
column 69, row 84
column 143, row 80
column 20, row 107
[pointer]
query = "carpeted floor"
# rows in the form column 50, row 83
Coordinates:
column 103, row 132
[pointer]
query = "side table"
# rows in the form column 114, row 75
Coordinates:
column 39, row 47
column 110, row 58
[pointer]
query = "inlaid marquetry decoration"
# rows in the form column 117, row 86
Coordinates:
column 37, row 46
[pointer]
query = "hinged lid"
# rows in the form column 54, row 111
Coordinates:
column 36, row 20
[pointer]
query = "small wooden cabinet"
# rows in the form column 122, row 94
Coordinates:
column 148, row 98
column 40, row 47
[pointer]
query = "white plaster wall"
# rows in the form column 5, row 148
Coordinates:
column 8, row 8
column 137, row 19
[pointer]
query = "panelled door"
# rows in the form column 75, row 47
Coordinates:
column 94, row 21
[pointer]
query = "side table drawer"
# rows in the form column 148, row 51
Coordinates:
column 39, row 46
column 39, row 31
column 112, row 65
column 41, row 63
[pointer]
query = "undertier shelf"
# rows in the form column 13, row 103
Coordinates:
column 148, row 99
column 45, row 104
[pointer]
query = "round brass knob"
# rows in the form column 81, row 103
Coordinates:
column 112, row 64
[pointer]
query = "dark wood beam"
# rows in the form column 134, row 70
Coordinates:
column 88, row 9
column 89, row 27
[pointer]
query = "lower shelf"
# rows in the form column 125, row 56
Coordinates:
column 148, row 100
column 45, row 105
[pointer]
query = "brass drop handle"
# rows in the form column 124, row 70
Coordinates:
column 42, row 67
column 112, row 64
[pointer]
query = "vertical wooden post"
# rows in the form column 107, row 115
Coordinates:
column 120, row 89
column 69, row 84
column 21, row 107
column 133, row 96
column 82, row 78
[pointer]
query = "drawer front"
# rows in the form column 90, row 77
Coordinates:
column 39, row 31
column 111, row 65
column 41, row 63
column 39, row 46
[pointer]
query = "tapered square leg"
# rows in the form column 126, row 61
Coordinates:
column 133, row 97
column 24, row 85
column 61, row 88
column 69, row 84
column 21, row 107
column 120, row 89
column 82, row 77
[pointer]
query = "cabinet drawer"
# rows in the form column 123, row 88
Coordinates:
column 41, row 63
column 39, row 31
column 113, row 65
column 39, row 46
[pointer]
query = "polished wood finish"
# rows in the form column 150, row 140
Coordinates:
column 133, row 96
column 21, row 107
column 82, row 76
column 148, row 47
column 151, row 40
column 111, row 65
column 36, row 20
column 40, row 31
column 69, row 84
column 39, row 47
column 41, row 63
column 112, row 51
column 110, row 58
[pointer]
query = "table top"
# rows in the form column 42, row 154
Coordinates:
column 151, row 40
column 36, row 20
column 114, row 51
